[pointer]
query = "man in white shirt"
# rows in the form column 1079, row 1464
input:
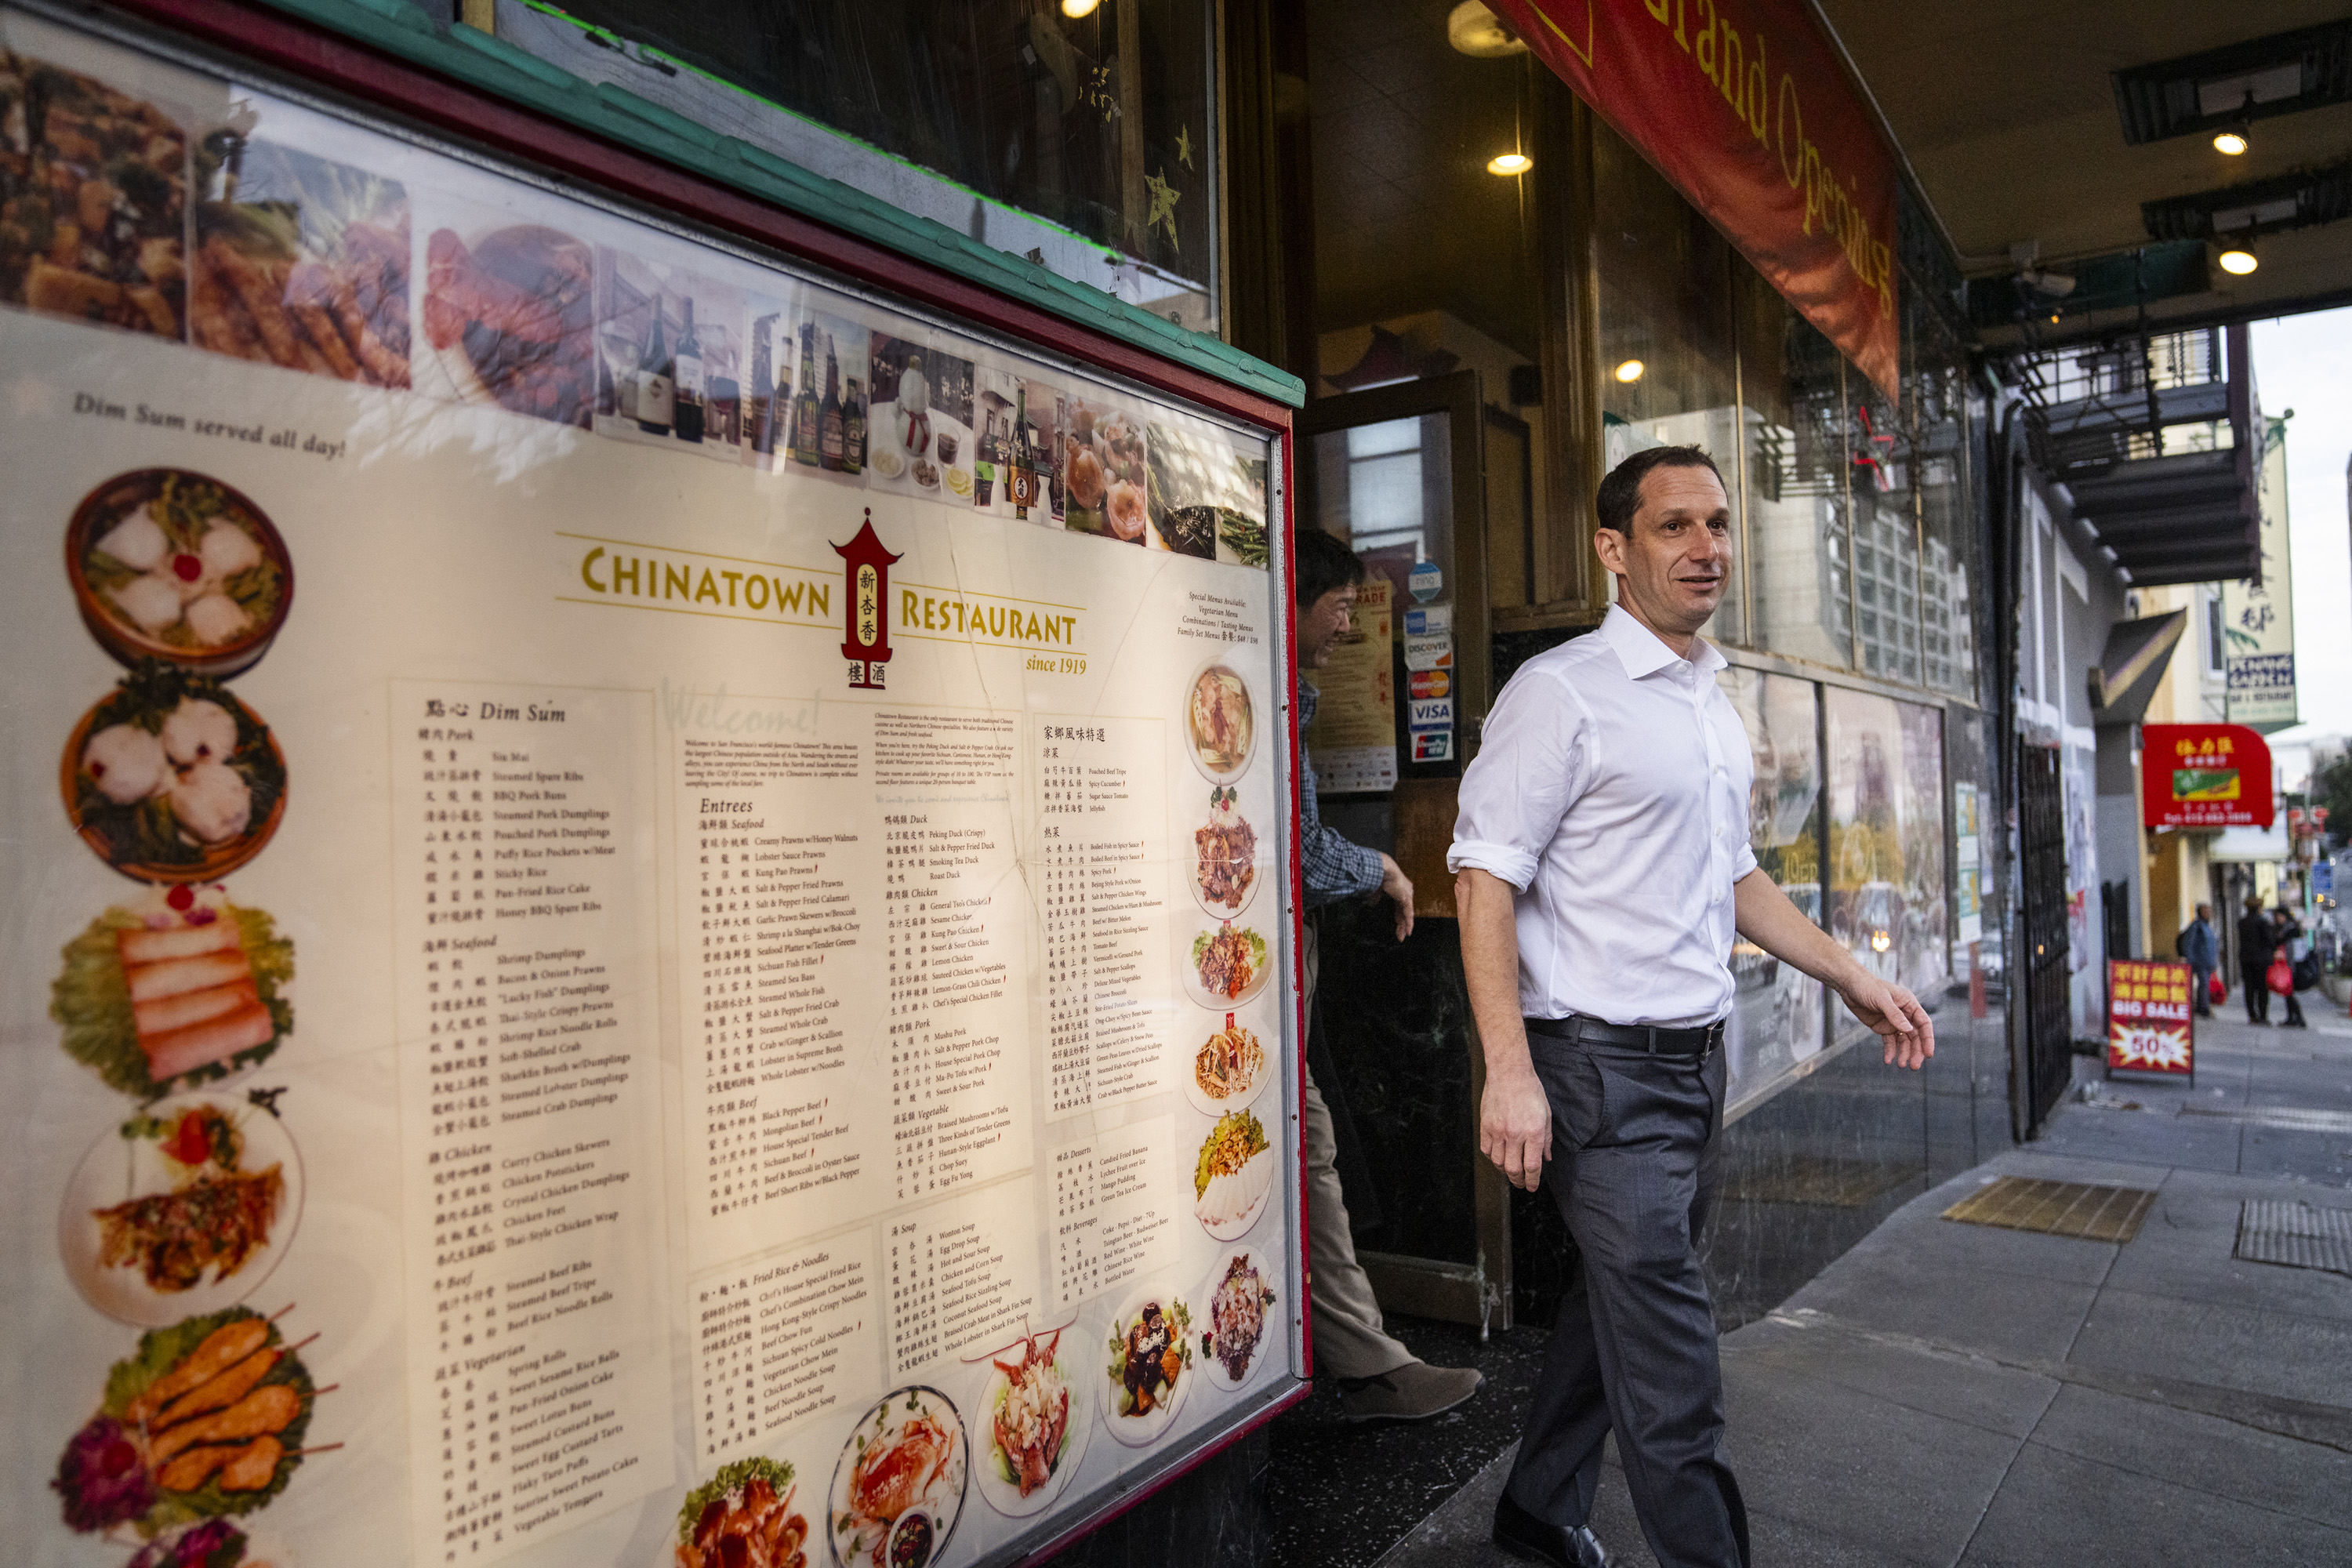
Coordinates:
column 1603, row 867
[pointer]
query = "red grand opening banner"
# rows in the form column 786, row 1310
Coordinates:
column 1748, row 109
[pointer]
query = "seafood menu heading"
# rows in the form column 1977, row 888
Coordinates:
column 651, row 937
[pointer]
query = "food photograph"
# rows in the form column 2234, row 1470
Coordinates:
column 1149, row 1372
column 1227, row 1069
column 215, row 1543
column 1224, row 857
column 919, row 421
column 1233, row 1175
column 299, row 262
column 510, row 319
column 1241, row 1296
column 1220, row 722
column 93, row 200
column 170, row 778
column 186, row 1207
column 172, row 565
column 179, row 988
column 1228, row 965
column 898, row 1487
column 1104, row 471
column 746, row 1516
column 1206, row 500
column 1034, row 1404
column 207, row 1420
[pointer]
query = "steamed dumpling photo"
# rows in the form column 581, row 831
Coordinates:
column 127, row 763
column 197, row 731
column 212, row 800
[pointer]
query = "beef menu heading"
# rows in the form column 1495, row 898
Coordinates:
column 646, row 916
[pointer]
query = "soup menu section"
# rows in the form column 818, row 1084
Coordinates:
column 643, row 926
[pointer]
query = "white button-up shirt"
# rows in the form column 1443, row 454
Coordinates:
column 1612, row 793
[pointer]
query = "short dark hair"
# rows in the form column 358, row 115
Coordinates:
column 1620, row 496
column 1322, row 564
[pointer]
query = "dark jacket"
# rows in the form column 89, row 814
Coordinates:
column 2200, row 944
column 2257, row 940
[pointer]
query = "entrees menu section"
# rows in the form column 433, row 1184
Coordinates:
column 646, row 891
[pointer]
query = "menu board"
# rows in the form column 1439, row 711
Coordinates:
column 644, row 913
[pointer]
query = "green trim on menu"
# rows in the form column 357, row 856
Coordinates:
column 491, row 65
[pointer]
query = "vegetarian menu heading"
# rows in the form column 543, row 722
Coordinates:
column 647, row 925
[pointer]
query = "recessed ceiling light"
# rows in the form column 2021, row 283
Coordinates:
column 2238, row 259
column 1076, row 8
column 2231, row 144
column 1631, row 371
column 1509, row 164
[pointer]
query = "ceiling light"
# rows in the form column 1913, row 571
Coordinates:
column 1631, row 371
column 2239, row 258
column 1509, row 164
column 2231, row 144
column 1477, row 32
column 1074, row 9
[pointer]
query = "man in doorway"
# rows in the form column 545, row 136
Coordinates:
column 2257, row 941
column 1602, row 868
column 2200, row 944
column 1379, row 1380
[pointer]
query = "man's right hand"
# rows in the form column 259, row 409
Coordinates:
column 1514, row 1124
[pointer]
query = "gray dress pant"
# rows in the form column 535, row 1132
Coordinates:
column 1635, row 1144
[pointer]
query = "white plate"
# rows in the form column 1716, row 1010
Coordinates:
column 1136, row 1431
column 1217, row 1003
column 117, row 1169
column 942, row 1500
column 1211, row 1367
column 1269, row 1046
column 1193, row 879
column 1258, row 721
column 1070, row 1359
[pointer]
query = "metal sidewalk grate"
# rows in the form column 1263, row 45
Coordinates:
column 2057, row 1208
column 2295, row 1234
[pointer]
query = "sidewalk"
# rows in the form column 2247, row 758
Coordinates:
column 1954, row 1394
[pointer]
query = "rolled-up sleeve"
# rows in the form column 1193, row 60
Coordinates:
column 1528, row 771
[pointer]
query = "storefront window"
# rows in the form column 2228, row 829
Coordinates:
column 1777, row 1012
column 1102, row 125
column 1886, row 901
column 1940, row 435
column 1794, row 413
column 1669, row 365
column 1885, row 535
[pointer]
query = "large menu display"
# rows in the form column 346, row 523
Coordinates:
column 644, row 892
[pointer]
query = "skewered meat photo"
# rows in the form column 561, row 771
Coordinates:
column 300, row 263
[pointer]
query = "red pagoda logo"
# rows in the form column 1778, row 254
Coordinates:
column 865, row 643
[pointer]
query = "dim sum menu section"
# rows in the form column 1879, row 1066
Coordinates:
column 656, row 938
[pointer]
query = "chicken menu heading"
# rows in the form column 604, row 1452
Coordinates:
column 645, row 914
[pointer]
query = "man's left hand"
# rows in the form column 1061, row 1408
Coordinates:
column 1396, row 885
column 1895, row 1016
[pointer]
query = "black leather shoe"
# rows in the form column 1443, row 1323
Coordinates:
column 1522, row 1534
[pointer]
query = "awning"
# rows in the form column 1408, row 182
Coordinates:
column 2188, row 517
column 2131, row 667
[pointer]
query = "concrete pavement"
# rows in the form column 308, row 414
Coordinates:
column 1948, row 1394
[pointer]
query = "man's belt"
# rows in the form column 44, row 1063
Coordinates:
column 1650, row 1037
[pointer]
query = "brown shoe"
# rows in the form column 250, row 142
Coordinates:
column 1413, row 1392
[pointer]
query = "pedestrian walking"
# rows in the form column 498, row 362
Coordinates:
column 1380, row 1378
column 2200, row 944
column 2257, row 941
column 2291, row 943
column 1602, row 868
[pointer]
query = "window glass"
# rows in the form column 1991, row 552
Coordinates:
column 1101, row 124
column 1886, row 534
column 1669, row 365
column 1886, row 840
column 1777, row 1012
column 1793, row 417
column 1942, row 408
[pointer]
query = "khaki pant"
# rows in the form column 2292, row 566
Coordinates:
column 1349, row 1339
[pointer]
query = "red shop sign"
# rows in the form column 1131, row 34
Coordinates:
column 1747, row 108
column 2204, row 775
